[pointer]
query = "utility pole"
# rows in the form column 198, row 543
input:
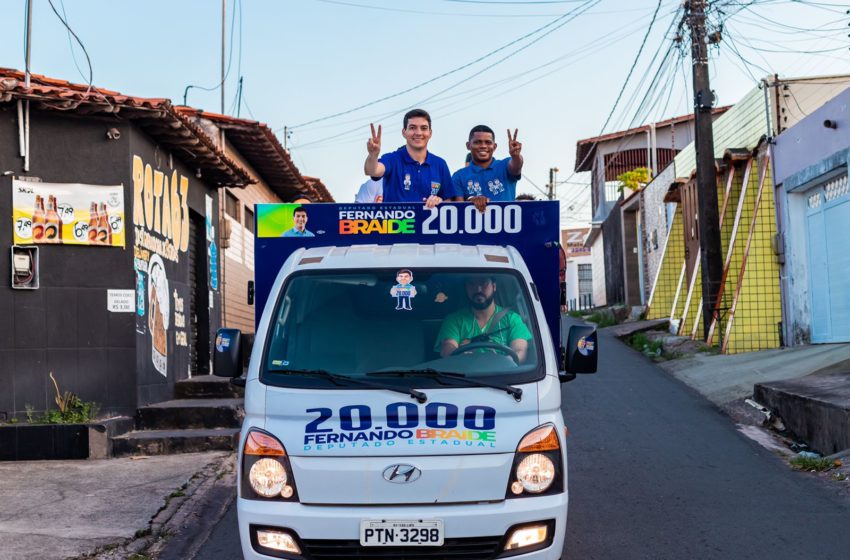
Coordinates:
column 223, row 35
column 711, row 259
column 550, row 188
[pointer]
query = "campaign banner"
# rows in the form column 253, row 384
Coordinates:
column 68, row 213
column 531, row 227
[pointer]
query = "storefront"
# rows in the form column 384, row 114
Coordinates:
column 112, row 212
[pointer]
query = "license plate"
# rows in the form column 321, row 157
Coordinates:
column 401, row 532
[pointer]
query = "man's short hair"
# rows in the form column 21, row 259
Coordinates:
column 482, row 128
column 525, row 196
column 299, row 209
column 413, row 113
column 404, row 271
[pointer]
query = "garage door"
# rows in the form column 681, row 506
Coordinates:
column 828, row 216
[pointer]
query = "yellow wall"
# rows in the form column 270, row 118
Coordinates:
column 668, row 274
column 755, row 325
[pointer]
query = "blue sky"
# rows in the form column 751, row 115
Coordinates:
column 302, row 60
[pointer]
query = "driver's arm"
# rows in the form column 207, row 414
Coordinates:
column 520, row 346
column 447, row 347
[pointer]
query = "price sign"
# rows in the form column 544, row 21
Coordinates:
column 23, row 228
column 66, row 213
column 81, row 231
column 121, row 301
column 116, row 223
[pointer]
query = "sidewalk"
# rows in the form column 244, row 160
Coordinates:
column 807, row 386
column 71, row 509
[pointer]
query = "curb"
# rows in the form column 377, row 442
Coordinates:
column 185, row 520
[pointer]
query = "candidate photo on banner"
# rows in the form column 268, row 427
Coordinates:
column 285, row 220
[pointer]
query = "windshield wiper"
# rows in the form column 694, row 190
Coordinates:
column 431, row 373
column 338, row 379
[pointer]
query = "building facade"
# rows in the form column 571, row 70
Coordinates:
column 116, row 320
column 748, row 313
column 810, row 162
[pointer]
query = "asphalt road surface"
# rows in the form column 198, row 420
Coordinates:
column 656, row 472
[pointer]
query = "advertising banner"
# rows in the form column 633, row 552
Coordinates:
column 531, row 227
column 573, row 242
column 161, row 240
column 68, row 213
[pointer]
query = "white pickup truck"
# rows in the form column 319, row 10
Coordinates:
column 404, row 401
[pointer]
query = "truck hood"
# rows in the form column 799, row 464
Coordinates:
column 460, row 444
column 376, row 423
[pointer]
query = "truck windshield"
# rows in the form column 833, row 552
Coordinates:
column 371, row 324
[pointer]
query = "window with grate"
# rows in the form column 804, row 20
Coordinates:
column 249, row 220
column 231, row 206
column 585, row 279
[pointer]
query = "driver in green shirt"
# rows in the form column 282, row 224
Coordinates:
column 485, row 320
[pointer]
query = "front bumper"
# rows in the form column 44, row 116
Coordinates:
column 312, row 524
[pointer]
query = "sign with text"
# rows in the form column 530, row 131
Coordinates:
column 573, row 242
column 530, row 227
column 121, row 301
column 68, row 214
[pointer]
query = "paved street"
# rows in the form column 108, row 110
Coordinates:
column 656, row 472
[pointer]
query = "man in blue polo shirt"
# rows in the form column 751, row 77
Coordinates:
column 411, row 173
column 487, row 178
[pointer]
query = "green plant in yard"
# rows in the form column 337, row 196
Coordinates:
column 819, row 464
column 576, row 314
column 602, row 320
column 642, row 343
column 72, row 409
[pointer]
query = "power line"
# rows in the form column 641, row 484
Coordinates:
column 622, row 89
column 229, row 61
column 514, row 2
column 444, row 74
column 585, row 6
column 571, row 57
column 70, row 42
column 85, row 52
column 430, row 13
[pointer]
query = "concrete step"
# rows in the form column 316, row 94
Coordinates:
column 815, row 408
column 191, row 413
column 207, row 387
column 167, row 442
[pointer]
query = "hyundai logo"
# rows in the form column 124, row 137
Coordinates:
column 400, row 474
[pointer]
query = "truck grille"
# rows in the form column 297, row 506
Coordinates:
column 476, row 548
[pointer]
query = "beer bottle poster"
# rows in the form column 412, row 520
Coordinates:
column 68, row 213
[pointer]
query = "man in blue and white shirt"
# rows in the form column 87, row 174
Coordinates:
column 487, row 178
column 411, row 173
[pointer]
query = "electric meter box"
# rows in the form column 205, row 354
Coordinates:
column 24, row 267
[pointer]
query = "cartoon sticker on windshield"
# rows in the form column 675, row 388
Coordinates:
column 404, row 291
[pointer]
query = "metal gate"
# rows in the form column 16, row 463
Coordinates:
column 827, row 216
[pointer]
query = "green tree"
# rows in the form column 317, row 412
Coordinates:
column 634, row 179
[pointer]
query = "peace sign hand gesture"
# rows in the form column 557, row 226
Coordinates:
column 373, row 145
column 514, row 146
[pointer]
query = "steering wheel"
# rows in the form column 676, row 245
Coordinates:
column 487, row 344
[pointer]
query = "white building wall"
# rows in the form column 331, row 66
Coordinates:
column 597, row 259
column 572, row 275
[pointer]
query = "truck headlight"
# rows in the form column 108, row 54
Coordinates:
column 536, row 473
column 267, row 477
column 538, row 467
column 266, row 472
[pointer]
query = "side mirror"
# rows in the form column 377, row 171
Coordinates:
column 227, row 360
column 579, row 352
